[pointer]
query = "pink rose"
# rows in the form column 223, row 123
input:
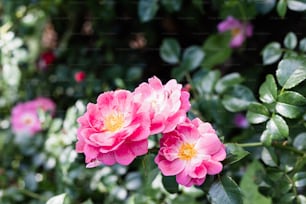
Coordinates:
column 167, row 104
column 45, row 104
column 190, row 152
column 239, row 31
column 114, row 130
column 25, row 118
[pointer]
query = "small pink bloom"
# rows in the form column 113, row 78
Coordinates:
column 79, row 76
column 25, row 118
column 241, row 121
column 239, row 30
column 114, row 130
column 45, row 104
column 190, row 152
column 167, row 104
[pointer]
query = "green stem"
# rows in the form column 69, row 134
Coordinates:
column 252, row 144
column 274, row 144
column 32, row 194
column 289, row 148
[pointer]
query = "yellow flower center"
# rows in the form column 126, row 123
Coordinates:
column 187, row 151
column 27, row 121
column 235, row 31
column 114, row 121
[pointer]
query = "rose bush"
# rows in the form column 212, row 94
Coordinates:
column 166, row 101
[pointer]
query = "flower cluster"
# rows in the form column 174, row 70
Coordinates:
column 25, row 119
column 117, row 127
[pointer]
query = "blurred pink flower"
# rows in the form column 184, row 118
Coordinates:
column 79, row 76
column 241, row 121
column 25, row 118
column 239, row 30
column 167, row 104
column 114, row 130
column 45, row 104
column 190, row 152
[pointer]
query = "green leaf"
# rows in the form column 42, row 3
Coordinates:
column 217, row 50
column 59, row 199
column 299, row 179
column 147, row 9
column 257, row 113
column 228, row 81
column 277, row 127
column 170, row 184
column 281, row 8
column 291, row 72
column 205, row 81
column 297, row 5
column 179, row 72
column 170, row 51
column 271, row 53
column 237, row 98
column 290, row 41
column 192, row 57
column 290, row 104
column 268, row 90
column 172, row 5
column 302, row 45
column 225, row 191
column 248, row 186
column 299, row 141
column 234, row 153
column 264, row 7
column 269, row 157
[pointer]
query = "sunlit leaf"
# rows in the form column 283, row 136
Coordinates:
column 290, row 104
column 291, row 72
column 147, row 9
column 268, row 90
column 277, row 127
column 237, row 98
column 271, row 53
column 290, row 40
column 268, row 156
column 257, row 113
column 299, row 141
column 170, row 51
column 58, row 199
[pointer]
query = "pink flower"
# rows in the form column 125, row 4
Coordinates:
column 167, row 104
column 114, row 130
column 239, row 30
column 45, row 104
column 25, row 118
column 79, row 76
column 190, row 152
